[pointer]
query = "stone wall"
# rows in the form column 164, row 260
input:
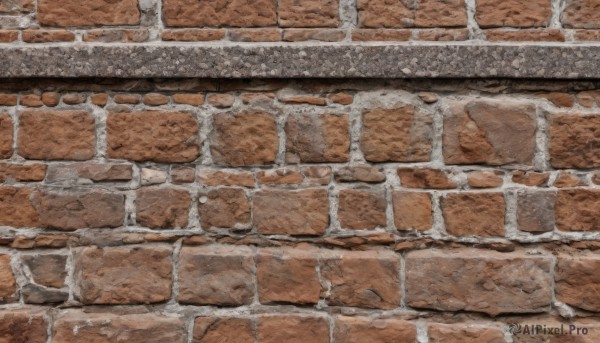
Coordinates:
column 264, row 210
column 43, row 21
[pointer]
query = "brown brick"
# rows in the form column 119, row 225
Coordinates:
column 223, row 178
column 50, row 99
column 47, row 270
column 74, row 98
column 566, row 179
column 155, row 99
column 577, row 280
column 363, row 329
column 47, row 36
column 79, row 326
column 460, row 333
column 223, row 329
column 130, row 99
column 287, row 275
column 485, row 179
column 531, row 178
column 224, row 208
column 412, row 211
column 482, row 276
column 183, row 174
column 244, row 139
column 281, row 176
column 6, row 136
column 384, row 13
column 189, row 99
column 8, row 99
column 162, row 208
column 317, row 175
column 577, row 210
column 23, row 325
column 157, row 136
column 79, row 209
column 67, row 13
column 380, row 35
column 360, row 173
column 545, row 35
column 96, row 172
column 123, row 275
column 221, row 100
column 16, row 208
column 435, row 13
column 400, row 135
column 361, row 278
column 341, row 98
column 17, row 6
column 425, row 178
column 238, row 13
column 31, row 100
column 255, row 35
column 304, row 212
column 22, row 172
column 56, row 135
column 193, row 35
column 216, row 275
column 574, row 141
column 560, row 99
column 317, row 138
column 292, row 329
column 110, row 36
column 323, row 35
column 581, row 14
column 8, row 36
column 303, row 99
column 100, row 99
column 587, row 35
column 516, row 13
column 362, row 209
column 477, row 214
column 309, row 13
column 535, row 211
column 489, row 132
column 8, row 283
column 443, row 35
column 257, row 98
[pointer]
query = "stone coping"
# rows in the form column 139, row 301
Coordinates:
column 302, row 61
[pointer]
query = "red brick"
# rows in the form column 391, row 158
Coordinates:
column 362, row 209
column 223, row 329
column 380, row 35
column 435, row 13
column 189, row 99
column 155, row 99
column 8, row 99
column 574, row 141
column 282, row 176
column 577, row 210
column 485, row 179
column 412, row 211
column 110, row 36
column 6, row 136
column 193, row 35
column 476, row 214
column 317, row 138
column 323, row 35
column 70, row 13
column 47, row 36
column 581, row 14
column 516, row 13
column 223, row 178
column 382, row 13
column 17, row 6
column 162, row 208
column 22, row 172
column 443, row 35
column 16, row 208
column 237, row 13
column 255, row 35
column 309, row 13
column 224, row 208
column 292, row 329
column 26, row 325
column 8, row 36
column 545, row 35
column 577, row 280
column 96, row 172
column 535, row 211
column 425, row 178
column 460, row 333
column 363, row 329
column 8, row 283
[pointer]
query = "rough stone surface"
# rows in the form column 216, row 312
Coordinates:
column 221, row 330
column 310, row 13
column 317, row 139
column 359, row 330
column 574, row 141
column 535, row 211
column 22, row 172
column 361, row 173
column 489, row 132
column 577, row 210
column 581, row 14
column 8, row 283
column 224, row 208
column 245, row 138
column 479, row 281
column 447, row 333
column 435, row 13
column 485, row 179
column 97, row 172
column 362, row 278
column 412, row 211
column 56, row 135
column 23, row 326
column 16, row 208
column 88, row 13
column 162, row 208
column 304, row 212
column 6, row 136
column 474, row 214
column 361, row 210
column 123, row 275
column 577, row 280
column 216, row 275
column 402, row 134
column 157, row 136
column 292, row 329
column 239, row 13
column 47, row 270
column 425, row 178
column 491, row 13
column 382, row 13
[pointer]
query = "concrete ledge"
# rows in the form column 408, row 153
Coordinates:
column 302, row 61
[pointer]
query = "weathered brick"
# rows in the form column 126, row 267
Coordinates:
column 47, row 36
column 489, row 132
column 566, row 179
column 317, row 175
column 79, row 326
column 16, row 208
column 100, row 99
column 574, row 141
column 341, row 98
column 577, row 280
column 110, row 36
column 157, row 136
column 577, row 210
column 8, row 283
column 193, row 35
column 362, row 209
column 303, row 99
column 123, row 275
column 310, row 13
column 47, row 270
column 535, row 211
column 155, row 99
column 412, row 211
column 292, row 329
column 477, row 214
column 31, row 100
column 183, row 174
column 582, row 14
column 384, row 13
column 531, row 178
column 162, row 208
column 461, row 333
column 281, row 176
column 402, row 134
column 6, row 136
column 56, row 135
column 516, row 13
column 238, row 13
column 425, row 178
column 8, row 36
column 8, row 99
column 26, row 325
column 490, row 282
column 317, row 138
column 189, row 99
column 216, row 275
column 361, row 278
column 360, row 173
column 255, row 35
column 67, row 13
column 22, row 172
column 97, row 172
column 304, row 212
column 287, row 275
column 130, row 99
column 303, row 35
column 221, row 100
column 17, row 6
column 224, row 208
column 485, row 179
column 245, row 138
column 381, row 35
column 363, row 329
column 223, row 178
column 443, row 35
column 223, row 329
column 532, row 35
column 79, row 209
column 435, row 13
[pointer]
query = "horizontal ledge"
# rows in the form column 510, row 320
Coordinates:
column 302, row 61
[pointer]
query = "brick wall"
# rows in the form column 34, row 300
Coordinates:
column 43, row 21
column 298, row 211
